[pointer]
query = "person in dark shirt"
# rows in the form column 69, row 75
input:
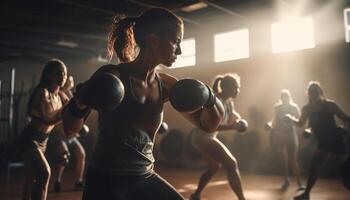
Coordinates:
column 321, row 112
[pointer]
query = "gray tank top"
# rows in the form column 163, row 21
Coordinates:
column 122, row 148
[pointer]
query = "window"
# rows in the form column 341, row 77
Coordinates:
column 291, row 35
column 347, row 24
column 231, row 45
column 188, row 56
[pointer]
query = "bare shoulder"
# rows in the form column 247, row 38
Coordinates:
column 277, row 107
column 331, row 104
column 168, row 82
column 42, row 94
column 167, row 79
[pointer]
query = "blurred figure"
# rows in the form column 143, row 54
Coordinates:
column 321, row 112
column 284, row 137
column 62, row 150
column 44, row 109
column 214, row 152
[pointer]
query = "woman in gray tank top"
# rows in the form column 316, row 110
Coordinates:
column 122, row 164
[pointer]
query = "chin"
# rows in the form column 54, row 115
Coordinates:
column 167, row 64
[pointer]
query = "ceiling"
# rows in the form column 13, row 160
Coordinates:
column 36, row 30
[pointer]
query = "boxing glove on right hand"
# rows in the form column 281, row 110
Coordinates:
column 103, row 91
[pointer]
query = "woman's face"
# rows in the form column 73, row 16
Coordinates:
column 59, row 76
column 285, row 98
column 232, row 91
column 169, row 47
column 313, row 94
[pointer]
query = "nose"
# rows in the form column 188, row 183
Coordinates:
column 178, row 50
column 237, row 91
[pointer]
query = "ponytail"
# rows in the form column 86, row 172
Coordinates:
column 217, row 84
column 128, row 33
column 121, row 38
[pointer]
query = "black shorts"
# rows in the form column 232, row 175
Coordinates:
column 102, row 185
column 30, row 138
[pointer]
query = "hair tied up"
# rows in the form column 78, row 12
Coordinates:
column 121, row 38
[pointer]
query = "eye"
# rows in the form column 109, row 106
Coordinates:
column 174, row 42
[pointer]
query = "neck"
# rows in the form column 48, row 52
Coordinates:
column 224, row 96
column 315, row 101
column 143, row 67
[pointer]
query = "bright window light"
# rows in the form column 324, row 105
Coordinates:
column 188, row 56
column 292, row 34
column 231, row 45
column 347, row 24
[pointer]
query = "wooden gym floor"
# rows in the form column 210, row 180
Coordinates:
column 257, row 187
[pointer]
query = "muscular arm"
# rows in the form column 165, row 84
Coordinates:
column 233, row 117
column 64, row 98
column 207, row 118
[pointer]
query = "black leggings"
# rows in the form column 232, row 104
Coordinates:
column 102, row 185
